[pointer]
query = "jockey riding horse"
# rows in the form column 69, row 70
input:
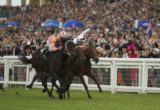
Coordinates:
column 53, row 66
column 53, row 45
column 44, row 69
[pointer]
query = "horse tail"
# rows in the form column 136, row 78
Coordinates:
column 25, row 60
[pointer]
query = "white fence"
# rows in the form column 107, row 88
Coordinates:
column 126, row 75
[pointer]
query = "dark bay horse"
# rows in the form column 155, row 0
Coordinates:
column 40, row 65
column 85, row 68
column 56, row 63
column 54, row 66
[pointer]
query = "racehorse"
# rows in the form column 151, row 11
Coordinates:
column 55, row 65
column 84, row 68
column 48, row 68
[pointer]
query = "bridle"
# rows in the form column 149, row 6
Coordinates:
column 66, row 48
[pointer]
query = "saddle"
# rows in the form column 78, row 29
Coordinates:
column 46, row 53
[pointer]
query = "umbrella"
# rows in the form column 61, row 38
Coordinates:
column 74, row 23
column 14, row 23
column 51, row 23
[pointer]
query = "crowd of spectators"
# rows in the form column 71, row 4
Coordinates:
column 9, row 11
column 114, row 33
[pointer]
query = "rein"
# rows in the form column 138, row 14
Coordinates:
column 66, row 47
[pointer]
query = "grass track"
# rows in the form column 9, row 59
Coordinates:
column 35, row 100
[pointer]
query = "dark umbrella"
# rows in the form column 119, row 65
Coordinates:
column 74, row 23
column 51, row 23
column 14, row 23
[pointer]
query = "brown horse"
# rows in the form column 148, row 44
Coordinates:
column 39, row 65
column 54, row 66
column 56, row 63
column 84, row 68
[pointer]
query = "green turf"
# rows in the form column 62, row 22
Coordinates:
column 36, row 100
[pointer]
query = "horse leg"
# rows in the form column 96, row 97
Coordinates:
column 33, row 80
column 85, row 86
column 65, row 88
column 68, row 93
column 44, row 83
column 44, row 90
column 94, row 79
column 54, row 84
column 70, row 81
column 62, row 89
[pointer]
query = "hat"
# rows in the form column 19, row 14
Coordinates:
column 132, row 47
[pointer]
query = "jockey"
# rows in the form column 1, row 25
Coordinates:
column 53, row 45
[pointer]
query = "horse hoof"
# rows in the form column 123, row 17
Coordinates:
column 43, row 90
column 29, row 87
column 89, row 97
